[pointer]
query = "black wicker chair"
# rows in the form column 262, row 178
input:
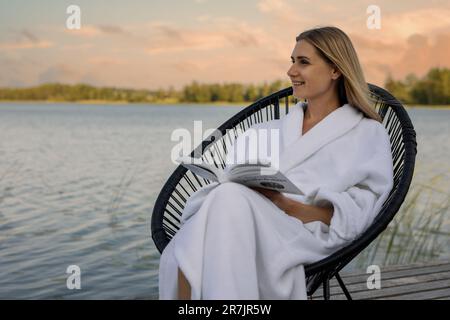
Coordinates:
column 182, row 183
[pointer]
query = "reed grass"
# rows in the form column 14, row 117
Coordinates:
column 418, row 233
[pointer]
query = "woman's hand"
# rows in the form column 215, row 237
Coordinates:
column 276, row 197
column 304, row 212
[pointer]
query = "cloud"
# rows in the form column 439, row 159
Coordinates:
column 416, row 54
column 411, row 40
column 84, row 31
column 18, row 69
column 188, row 66
column 280, row 10
column 204, row 18
column 110, row 29
column 298, row 15
column 224, row 33
column 12, row 74
column 29, row 36
column 373, row 43
column 59, row 73
column 419, row 21
column 244, row 35
column 422, row 53
column 227, row 48
column 223, row 68
column 25, row 45
column 24, row 39
column 64, row 73
column 106, row 61
column 97, row 30
column 171, row 33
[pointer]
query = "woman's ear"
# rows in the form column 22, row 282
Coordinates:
column 335, row 73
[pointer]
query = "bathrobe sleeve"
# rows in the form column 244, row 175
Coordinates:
column 372, row 174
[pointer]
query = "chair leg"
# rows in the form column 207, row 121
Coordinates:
column 343, row 287
column 326, row 288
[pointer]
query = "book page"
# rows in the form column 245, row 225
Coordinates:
column 203, row 169
column 274, row 181
column 237, row 169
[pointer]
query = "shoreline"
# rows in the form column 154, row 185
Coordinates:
column 107, row 102
column 431, row 106
column 167, row 103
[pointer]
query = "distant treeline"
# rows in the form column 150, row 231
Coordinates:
column 432, row 89
column 194, row 92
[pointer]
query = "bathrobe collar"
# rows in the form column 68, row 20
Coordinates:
column 298, row 147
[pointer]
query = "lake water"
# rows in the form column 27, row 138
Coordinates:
column 78, row 184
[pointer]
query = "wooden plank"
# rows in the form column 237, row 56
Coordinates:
column 415, row 281
column 346, row 274
column 362, row 286
column 423, row 295
column 398, row 290
column 394, row 274
column 418, row 265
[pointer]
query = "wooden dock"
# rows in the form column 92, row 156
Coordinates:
column 422, row 281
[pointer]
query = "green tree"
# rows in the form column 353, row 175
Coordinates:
column 399, row 89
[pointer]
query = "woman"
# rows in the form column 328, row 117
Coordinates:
column 239, row 243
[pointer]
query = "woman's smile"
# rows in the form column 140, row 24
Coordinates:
column 298, row 83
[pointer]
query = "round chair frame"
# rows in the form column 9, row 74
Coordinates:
column 182, row 183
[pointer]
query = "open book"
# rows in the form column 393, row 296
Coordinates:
column 260, row 174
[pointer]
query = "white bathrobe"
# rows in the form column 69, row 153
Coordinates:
column 234, row 243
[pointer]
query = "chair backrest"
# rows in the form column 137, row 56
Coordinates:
column 182, row 183
column 404, row 149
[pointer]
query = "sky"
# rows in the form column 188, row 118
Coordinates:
column 156, row 44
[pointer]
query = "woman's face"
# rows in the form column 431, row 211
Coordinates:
column 311, row 76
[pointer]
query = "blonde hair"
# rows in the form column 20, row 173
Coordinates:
column 336, row 48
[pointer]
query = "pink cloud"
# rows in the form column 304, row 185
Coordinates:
column 171, row 38
column 25, row 45
column 422, row 53
column 90, row 31
column 24, row 39
column 420, row 21
column 224, row 48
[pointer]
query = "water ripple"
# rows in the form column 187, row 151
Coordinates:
column 78, row 184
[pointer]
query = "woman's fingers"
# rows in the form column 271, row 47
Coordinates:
column 268, row 193
column 275, row 196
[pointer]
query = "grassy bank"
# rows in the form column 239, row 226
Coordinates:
column 109, row 102
column 176, row 103
column 424, row 106
column 419, row 232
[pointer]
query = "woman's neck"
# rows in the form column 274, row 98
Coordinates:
column 319, row 108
